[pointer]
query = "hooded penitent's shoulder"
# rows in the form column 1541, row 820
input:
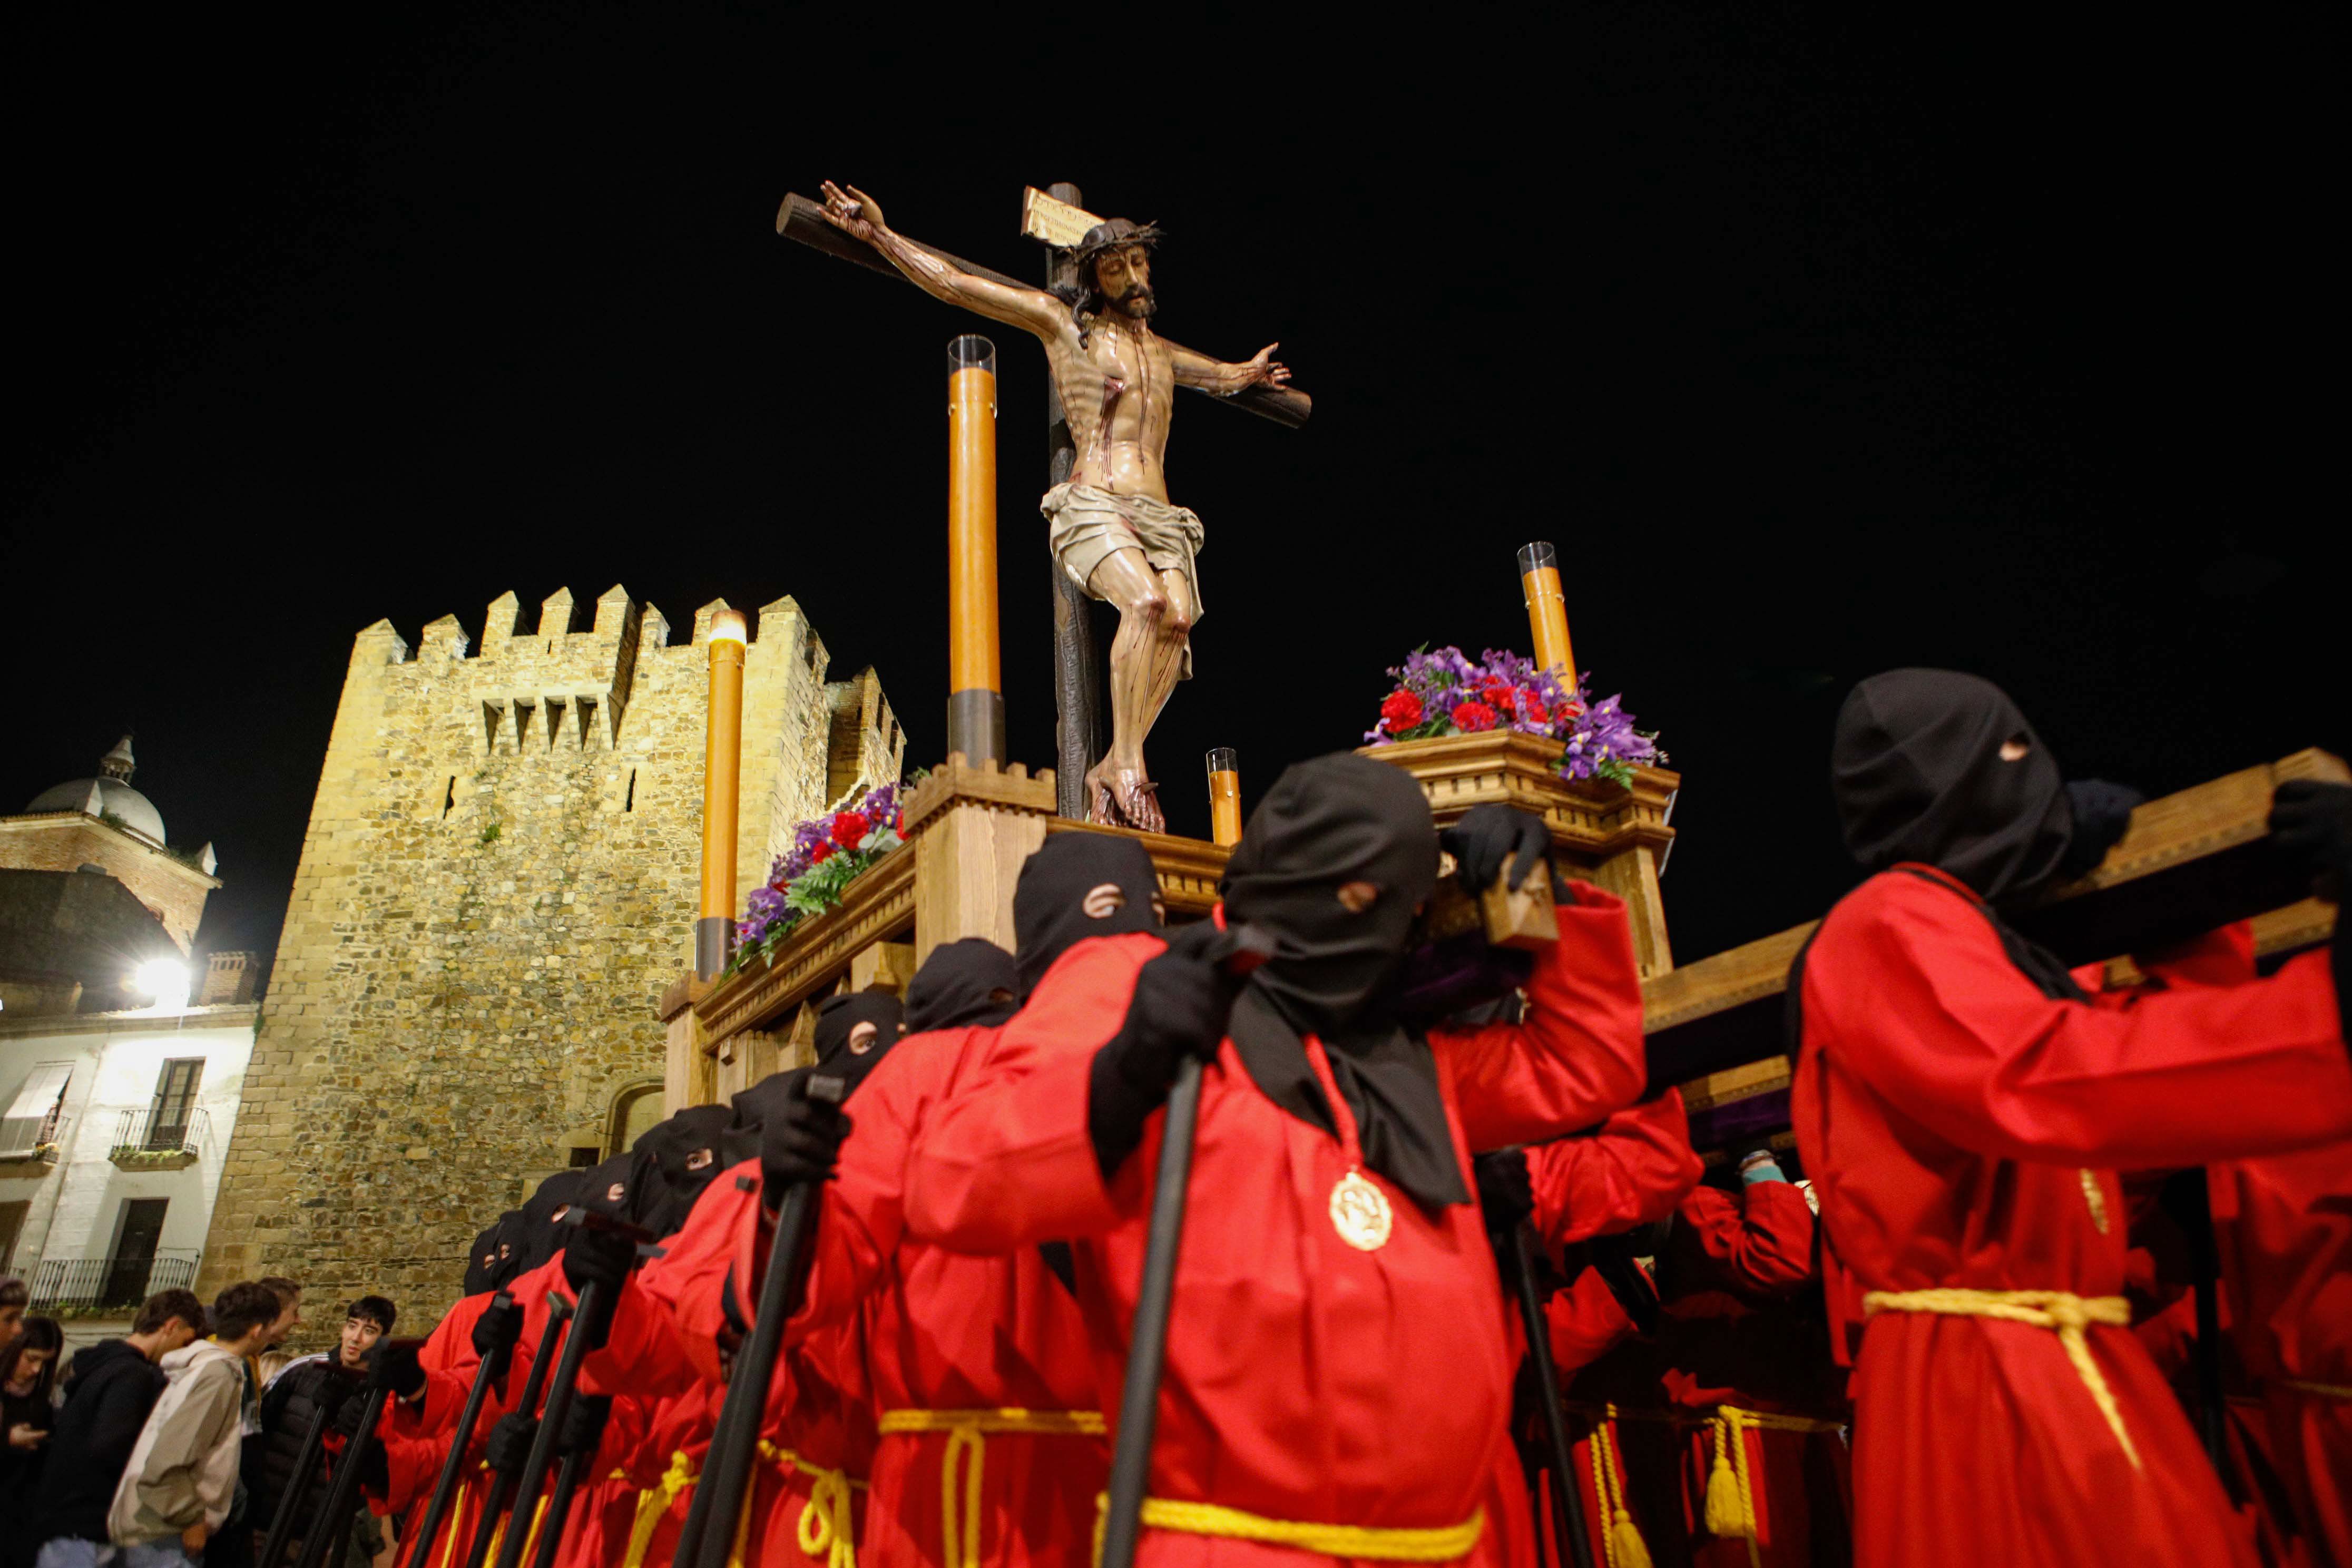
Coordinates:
column 1900, row 897
column 1122, row 954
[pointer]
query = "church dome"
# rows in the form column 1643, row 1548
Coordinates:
column 108, row 795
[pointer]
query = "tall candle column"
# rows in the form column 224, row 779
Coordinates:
column 1225, row 796
column 1547, row 610
column 722, row 775
column 975, row 682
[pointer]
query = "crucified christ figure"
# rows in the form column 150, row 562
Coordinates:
column 1111, row 525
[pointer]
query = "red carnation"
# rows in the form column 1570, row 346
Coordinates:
column 1401, row 711
column 1534, row 711
column 849, row 827
column 821, row 852
column 898, row 824
column 1473, row 716
column 1499, row 696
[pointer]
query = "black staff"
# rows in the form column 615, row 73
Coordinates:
column 307, row 1460
column 1567, row 1504
column 590, row 1318
column 2185, row 1197
column 559, row 1504
column 490, row 1370
column 502, row 1490
column 1146, row 1349
column 333, row 1523
column 707, row 1539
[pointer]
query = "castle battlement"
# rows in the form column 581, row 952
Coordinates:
column 499, row 877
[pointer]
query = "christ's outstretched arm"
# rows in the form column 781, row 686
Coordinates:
column 856, row 213
column 1198, row 370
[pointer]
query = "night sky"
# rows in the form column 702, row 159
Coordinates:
column 1817, row 351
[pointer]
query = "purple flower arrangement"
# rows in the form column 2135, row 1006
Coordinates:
column 826, row 855
column 1443, row 693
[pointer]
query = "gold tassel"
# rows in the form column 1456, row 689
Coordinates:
column 1727, row 1513
column 1626, row 1544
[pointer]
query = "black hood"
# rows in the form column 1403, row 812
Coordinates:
column 538, row 1237
column 1918, row 774
column 960, row 985
column 677, row 1159
column 1326, row 822
column 748, row 1110
column 1049, row 902
column 483, row 1263
column 836, row 1025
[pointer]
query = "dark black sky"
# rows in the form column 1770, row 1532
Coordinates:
column 1818, row 346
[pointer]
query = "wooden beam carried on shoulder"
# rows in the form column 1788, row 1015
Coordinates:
column 2189, row 863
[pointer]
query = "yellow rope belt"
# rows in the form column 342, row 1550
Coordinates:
column 2322, row 1389
column 653, row 1503
column 2064, row 1310
column 825, row 1522
column 1730, row 1490
column 1442, row 1543
column 1622, row 1546
column 968, row 1432
column 456, row 1518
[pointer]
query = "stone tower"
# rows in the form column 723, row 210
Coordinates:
column 499, row 879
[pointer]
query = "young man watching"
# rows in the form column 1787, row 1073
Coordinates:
column 289, row 1405
column 178, row 1488
column 13, row 1297
column 113, row 1386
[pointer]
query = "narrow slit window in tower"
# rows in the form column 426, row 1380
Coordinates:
column 629, row 801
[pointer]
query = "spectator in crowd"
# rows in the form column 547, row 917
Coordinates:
column 28, row 1371
column 112, row 1386
column 13, row 1298
column 288, row 1406
column 181, row 1485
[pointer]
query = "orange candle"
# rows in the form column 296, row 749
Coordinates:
column 1546, row 609
column 975, row 682
column 722, row 777
column 1225, row 796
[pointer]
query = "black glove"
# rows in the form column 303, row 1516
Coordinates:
column 584, row 1424
column 598, row 1257
column 509, row 1445
column 2102, row 811
column 498, row 1329
column 1181, row 1000
column 1487, row 837
column 2313, row 820
column 1506, row 1194
column 395, row 1366
column 800, row 1141
column 376, row 1471
column 349, row 1405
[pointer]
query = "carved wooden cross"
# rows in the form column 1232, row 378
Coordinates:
column 1056, row 218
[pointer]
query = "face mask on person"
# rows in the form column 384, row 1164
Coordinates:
column 853, row 1032
column 1941, row 768
column 962, row 984
column 678, row 1158
column 1079, row 885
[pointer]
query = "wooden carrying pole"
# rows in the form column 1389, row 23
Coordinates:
column 1547, row 610
column 722, row 781
column 975, row 680
column 1224, row 797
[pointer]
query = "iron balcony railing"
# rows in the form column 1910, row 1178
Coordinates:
column 155, row 1132
column 70, row 1284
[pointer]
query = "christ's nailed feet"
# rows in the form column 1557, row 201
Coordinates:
column 1123, row 797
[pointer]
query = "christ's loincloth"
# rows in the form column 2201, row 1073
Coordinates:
column 1087, row 524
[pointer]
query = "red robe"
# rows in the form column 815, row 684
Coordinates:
column 952, row 1332
column 1961, row 1130
column 679, row 1312
column 2284, row 1227
column 1308, row 1381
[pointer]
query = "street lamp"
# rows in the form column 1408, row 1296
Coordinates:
column 166, row 980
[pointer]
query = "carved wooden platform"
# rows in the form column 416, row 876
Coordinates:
column 2190, row 862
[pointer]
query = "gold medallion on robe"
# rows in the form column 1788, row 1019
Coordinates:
column 1359, row 1213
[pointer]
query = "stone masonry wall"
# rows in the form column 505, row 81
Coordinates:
column 499, row 877
column 66, row 840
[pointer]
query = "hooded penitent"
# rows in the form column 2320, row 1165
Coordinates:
column 1079, row 885
column 491, row 1263
column 1939, row 767
column 1326, row 822
column 676, row 1159
column 846, row 1046
column 538, row 1237
column 962, row 984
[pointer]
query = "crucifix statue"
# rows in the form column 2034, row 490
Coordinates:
column 1113, row 531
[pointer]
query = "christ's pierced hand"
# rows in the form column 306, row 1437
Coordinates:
column 1266, row 369
column 853, row 212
